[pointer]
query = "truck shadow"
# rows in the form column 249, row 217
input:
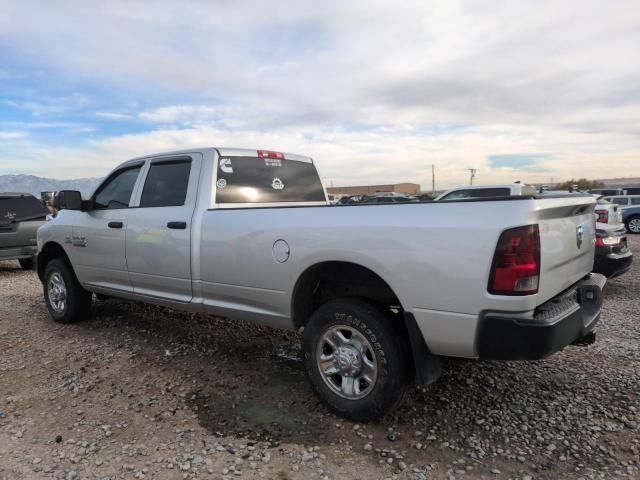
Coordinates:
column 250, row 380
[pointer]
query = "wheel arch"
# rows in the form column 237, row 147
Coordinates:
column 326, row 280
column 309, row 294
column 50, row 251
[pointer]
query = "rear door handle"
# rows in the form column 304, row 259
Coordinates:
column 177, row 225
column 115, row 224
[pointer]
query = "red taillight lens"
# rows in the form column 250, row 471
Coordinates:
column 270, row 154
column 516, row 263
column 602, row 241
column 603, row 216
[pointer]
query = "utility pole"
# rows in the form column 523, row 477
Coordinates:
column 433, row 179
column 472, row 171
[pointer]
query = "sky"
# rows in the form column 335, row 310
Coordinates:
column 376, row 92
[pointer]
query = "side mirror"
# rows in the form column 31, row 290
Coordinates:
column 68, row 199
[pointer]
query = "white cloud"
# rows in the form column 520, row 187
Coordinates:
column 113, row 115
column 374, row 92
column 12, row 135
column 183, row 114
column 345, row 157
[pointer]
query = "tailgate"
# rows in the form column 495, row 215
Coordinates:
column 19, row 234
column 567, row 242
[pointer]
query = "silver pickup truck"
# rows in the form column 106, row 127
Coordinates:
column 380, row 291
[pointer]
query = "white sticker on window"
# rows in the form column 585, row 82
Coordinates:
column 277, row 184
column 272, row 162
column 225, row 166
column 221, row 183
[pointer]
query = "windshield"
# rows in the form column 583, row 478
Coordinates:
column 267, row 180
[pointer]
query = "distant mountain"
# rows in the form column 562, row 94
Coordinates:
column 35, row 185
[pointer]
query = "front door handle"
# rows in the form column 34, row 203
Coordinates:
column 177, row 225
column 115, row 224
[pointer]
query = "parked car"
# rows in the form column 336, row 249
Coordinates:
column 631, row 219
column 20, row 216
column 624, row 200
column 390, row 197
column 381, row 292
column 486, row 191
column 612, row 257
column 608, row 213
column 349, row 200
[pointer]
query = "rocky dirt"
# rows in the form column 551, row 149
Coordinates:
column 145, row 392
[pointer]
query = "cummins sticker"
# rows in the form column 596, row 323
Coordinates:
column 221, row 183
column 225, row 166
column 277, row 184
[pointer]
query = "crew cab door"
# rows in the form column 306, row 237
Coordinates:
column 96, row 246
column 158, row 244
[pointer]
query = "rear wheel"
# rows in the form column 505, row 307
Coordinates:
column 66, row 300
column 26, row 263
column 633, row 224
column 355, row 359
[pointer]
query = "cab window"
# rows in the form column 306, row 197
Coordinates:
column 116, row 191
column 166, row 184
column 620, row 200
column 266, row 180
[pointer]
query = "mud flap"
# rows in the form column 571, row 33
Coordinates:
column 427, row 365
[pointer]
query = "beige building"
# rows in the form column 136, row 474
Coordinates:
column 406, row 188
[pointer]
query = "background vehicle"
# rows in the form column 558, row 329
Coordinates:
column 380, row 291
column 349, row 200
column 612, row 257
column 485, row 191
column 624, row 200
column 20, row 216
column 631, row 219
column 608, row 213
column 390, row 197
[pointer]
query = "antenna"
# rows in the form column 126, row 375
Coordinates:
column 472, row 171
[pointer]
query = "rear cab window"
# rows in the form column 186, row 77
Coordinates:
column 259, row 180
column 166, row 184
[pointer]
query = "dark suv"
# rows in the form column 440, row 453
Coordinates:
column 20, row 216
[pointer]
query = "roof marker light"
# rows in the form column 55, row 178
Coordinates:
column 270, row 154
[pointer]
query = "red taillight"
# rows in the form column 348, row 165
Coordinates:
column 603, row 216
column 604, row 241
column 516, row 263
column 270, row 154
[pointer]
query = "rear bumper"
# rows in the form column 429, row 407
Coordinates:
column 15, row 253
column 556, row 324
column 613, row 264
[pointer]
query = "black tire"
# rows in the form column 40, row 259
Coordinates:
column 385, row 340
column 77, row 300
column 26, row 263
column 633, row 224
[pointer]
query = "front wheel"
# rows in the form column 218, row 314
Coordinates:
column 356, row 359
column 66, row 300
column 633, row 224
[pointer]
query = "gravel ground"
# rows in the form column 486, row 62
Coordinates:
column 146, row 392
